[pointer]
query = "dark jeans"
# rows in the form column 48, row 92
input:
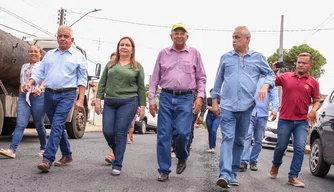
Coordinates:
column 23, row 115
column 175, row 113
column 191, row 137
column 299, row 130
column 212, row 123
column 117, row 117
column 57, row 106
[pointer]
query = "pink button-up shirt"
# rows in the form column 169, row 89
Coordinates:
column 174, row 70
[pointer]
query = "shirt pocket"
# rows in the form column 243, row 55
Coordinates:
column 250, row 68
column 187, row 67
column 229, row 69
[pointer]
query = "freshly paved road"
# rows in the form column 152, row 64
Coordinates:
column 89, row 172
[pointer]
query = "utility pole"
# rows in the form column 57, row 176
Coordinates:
column 61, row 16
column 280, row 57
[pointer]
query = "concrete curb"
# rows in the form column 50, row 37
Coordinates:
column 307, row 149
column 90, row 128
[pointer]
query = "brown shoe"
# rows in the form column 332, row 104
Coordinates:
column 273, row 172
column 64, row 161
column 295, row 182
column 44, row 166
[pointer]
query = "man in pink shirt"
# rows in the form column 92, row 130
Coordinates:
column 179, row 72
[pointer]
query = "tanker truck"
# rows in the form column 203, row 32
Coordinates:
column 14, row 53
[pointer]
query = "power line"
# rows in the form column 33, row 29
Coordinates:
column 318, row 27
column 17, row 30
column 202, row 29
column 26, row 21
column 115, row 43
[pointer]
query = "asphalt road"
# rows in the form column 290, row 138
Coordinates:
column 89, row 171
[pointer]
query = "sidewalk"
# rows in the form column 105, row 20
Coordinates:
column 307, row 149
column 89, row 128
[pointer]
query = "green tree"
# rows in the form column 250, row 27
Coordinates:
column 290, row 58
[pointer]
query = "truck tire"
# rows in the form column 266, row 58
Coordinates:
column 2, row 117
column 9, row 125
column 318, row 166
column 76, row 128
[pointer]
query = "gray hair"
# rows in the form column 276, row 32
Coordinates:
column 245, row 30
column 69, row 29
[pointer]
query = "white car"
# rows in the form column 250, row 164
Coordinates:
column 270, row 137
column 148, row 123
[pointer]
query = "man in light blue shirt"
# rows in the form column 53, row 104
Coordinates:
column 64, row 70
column 257, row 126
column 237, row 76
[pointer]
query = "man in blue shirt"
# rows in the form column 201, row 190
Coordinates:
column 237, row 76
column 257, row 126
column 63, row 70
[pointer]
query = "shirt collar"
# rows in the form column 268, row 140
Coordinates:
column 249, row 52
column 70, row 50
column 186, row 48
column 294, row 74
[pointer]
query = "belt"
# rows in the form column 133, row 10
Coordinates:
column 62, row 90
column 177, row 92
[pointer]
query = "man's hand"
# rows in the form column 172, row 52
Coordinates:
column 92, row 103
column 312, row 118
column 79, row 105
column 98, row 108
column 142, row 112
column 275, row 69
column 197, row 105
column 262, row 93
column 273, row 115
column 153, row 109
column 37, row 92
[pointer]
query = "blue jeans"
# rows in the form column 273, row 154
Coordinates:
column 212, row 123
column 234, row 127
column 257, row 126
column 22, row 119
column 57, row 106
column 175, row 111
column 117, row 117
column 191, row 137
column 298, row 129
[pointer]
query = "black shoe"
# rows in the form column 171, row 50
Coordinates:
column 253, row 166
column 163, row 177
column 181, row 166
column 243, row 167
column 221, row 182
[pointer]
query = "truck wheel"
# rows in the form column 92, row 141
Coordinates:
column 2, row 117
column 9, row 125
column 318, row 166
column 76, row 128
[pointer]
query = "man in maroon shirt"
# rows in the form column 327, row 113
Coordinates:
column 299, row 90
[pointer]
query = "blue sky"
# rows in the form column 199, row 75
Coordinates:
column 99, row 32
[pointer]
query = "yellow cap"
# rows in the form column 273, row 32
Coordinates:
column 179, row 25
